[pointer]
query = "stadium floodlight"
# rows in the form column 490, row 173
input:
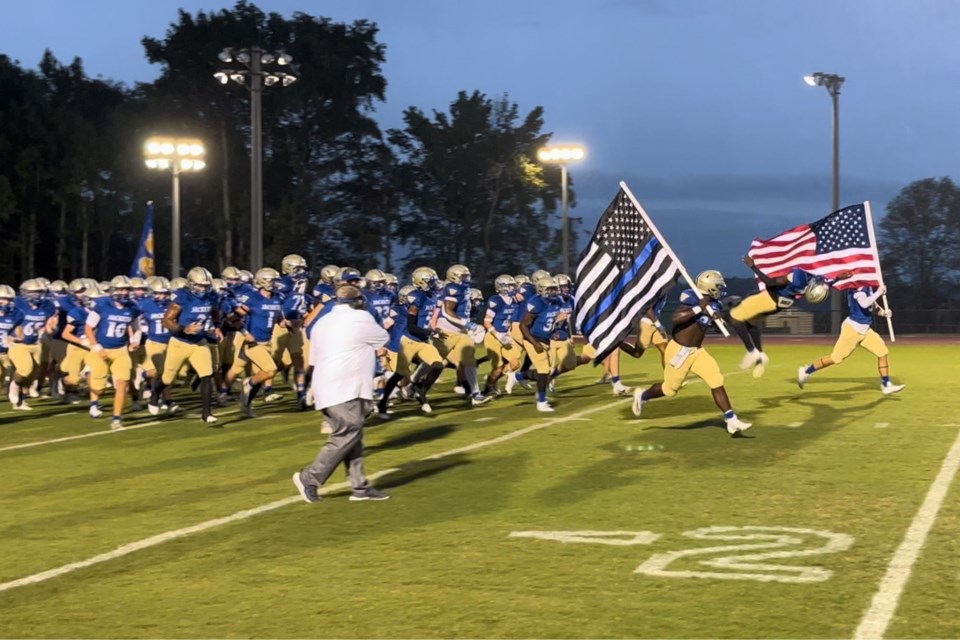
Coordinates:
column 832, row 83
column 254, row 77
column 179, row 155
column 562, row 155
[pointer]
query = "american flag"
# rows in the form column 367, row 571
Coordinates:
column 623, row 271
column 840, row 242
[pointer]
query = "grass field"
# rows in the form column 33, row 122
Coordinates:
column 503, row 521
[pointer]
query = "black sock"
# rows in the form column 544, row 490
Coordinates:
column 755, row 335
column 744, row 334
column 527, row 363
column 388, row 390
column 254, row 388
column 158, row 388
column 435, row 370
column 543, row 380
column 206, row 395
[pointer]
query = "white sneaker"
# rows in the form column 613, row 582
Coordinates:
column 758, row 370
column 96, row 412
column 23, row 406
column 154, row 409
column 460, row 391
column 325, row 427
column 14, row 395
column 544, row 407
column 426, row 408
column 116, row 425
column 802, row 376
column 749, row 359
column 507, row 388
column 890, row 388
column 478, row 399
column 620, row 389
column 34, row 391
column 736, row 425
column 172, row 408
column 273, row 396
column 638, row 401
column 764, row 358
column 211, row 419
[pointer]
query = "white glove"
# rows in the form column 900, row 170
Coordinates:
column 886, row 313
column 882, row 289
column 477, row 333
column 504, row 339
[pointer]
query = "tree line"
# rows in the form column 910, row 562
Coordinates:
column 457, row 185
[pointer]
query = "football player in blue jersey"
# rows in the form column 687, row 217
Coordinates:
column 288, row 340
column 324, row 289
column 526, row 290
column 11, row 328
column 261, row 311
column 379, row 298
column 39, row 318
column 563, row 355
column 780, row 293
column 456, row 333
column 857, row 331
column 541, row 313
column 59, row 293
column 154, row 308
column 113, row 332
column 392, row 283
column 193, row 311
column 85, row 292
column 503, row 351
column 416, row 342
column 685, row 353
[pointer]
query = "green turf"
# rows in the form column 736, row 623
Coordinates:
column 438, row 560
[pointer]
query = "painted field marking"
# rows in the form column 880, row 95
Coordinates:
column 106, row 432
column 881, row 425
column 487, row 419
column 167, row 536
column 794, row 425
column 614, row 538
column 885, row 601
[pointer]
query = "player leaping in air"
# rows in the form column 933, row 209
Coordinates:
column 780, row 293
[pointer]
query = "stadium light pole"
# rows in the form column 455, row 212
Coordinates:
column 832, row 83
column 253, row 75
column 562, row 155
column 177, row 155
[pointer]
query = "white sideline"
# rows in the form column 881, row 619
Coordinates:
column 153, row 541
column 885, row 601
column 105, row 432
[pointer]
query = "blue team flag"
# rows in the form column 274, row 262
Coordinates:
column 142, row 266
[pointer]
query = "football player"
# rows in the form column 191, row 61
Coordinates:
column 685, row 353
column 503, row 352
column 113, row 332
column 193, row 311
column 542, row 311
column 11, row 322
column 780, row 293
column 154, row 308
column 85, row 293
column 287, row 343
column 457, row 334
column 39, row 318
column 416, row 341
column 857, row 331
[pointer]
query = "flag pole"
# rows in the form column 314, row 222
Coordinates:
column 876, row 256
column 666, row 247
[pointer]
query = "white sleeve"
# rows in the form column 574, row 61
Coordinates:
column 93, row 319
column 373, row 334
column 864, row 300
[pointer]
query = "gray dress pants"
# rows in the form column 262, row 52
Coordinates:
column 345, row 444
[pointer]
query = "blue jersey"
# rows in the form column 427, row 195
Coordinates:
column 323, row 292
column 8, row 322
column 381, row 303
column 77, row 318
column 459, row 294
column 504, row 308
column 857, row 313
column 561, row 330
column 262, row 314
column 34, row 318
column 527, row 291
column 194, row 308
column 545, row 312
column 398, row 328
column 153, row 312
column 689, row 298
column 293, row 289
column 112, row 330
column 425, row 302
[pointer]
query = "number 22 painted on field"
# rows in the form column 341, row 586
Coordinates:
column 729, row 566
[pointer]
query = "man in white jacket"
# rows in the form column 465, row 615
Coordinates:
column 343, row 347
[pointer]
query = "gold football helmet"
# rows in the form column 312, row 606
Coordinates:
column 293, row 264
column 711, row 283
column 424, row 278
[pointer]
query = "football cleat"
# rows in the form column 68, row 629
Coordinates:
column 735, row 425
column 620, row 389
column 426, row 408
column 545, row 407
column 22, row 406
column 749, row 359
column 460, row 390
column 890, row 388
column 211, row 419
column 802, row 376
column 273, row 396
column 154, row 409
column 116, row 425
column 638, row 401
column 478, row 399
column 511, row 381
column 95, row 411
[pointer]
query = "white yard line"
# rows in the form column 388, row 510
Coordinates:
column 876, row 620
column 167, row 536
column 881, row 425
column 106, row 432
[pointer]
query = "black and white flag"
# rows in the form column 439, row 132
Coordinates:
column 626, row 268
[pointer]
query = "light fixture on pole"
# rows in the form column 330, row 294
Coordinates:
column 562, row 155
column 833, row 83
column 177, row 155
column 254, row 77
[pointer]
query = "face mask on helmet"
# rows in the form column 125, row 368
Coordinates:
column 6, row 304
column 121, row 295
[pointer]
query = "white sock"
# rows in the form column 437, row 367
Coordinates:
column 470, row 373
